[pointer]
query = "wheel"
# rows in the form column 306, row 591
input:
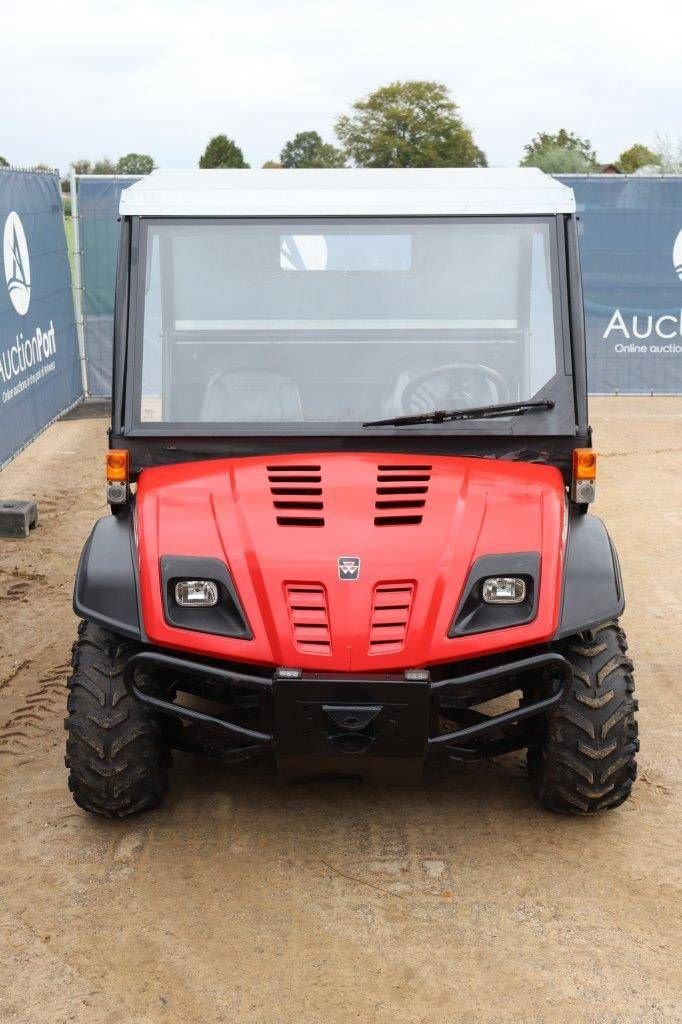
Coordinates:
column 116, row 754
column 587, row 761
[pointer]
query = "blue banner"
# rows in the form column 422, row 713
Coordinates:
column 631, row 250
column 630, row 232
column 39, row 364
column 98, row 200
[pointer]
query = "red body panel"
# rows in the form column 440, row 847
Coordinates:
column 225, row 509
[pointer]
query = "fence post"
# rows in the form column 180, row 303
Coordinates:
column 78, row 284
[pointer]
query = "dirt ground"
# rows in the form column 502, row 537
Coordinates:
column 240, row 901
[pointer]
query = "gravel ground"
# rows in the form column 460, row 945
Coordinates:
column 240, row 901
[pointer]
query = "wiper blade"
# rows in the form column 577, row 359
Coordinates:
column 484, row 412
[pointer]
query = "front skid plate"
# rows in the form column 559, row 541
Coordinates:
column 350, row 727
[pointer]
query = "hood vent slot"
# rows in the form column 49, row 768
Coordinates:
column 296, row 495
column 401, row 495
column 309, row 615
column 391, row 606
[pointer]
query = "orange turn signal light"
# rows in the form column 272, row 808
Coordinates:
column 117, row 465
column 584, row 464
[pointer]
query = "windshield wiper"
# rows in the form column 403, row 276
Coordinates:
column 484, row 412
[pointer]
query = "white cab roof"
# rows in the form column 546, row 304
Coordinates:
column 349, row 192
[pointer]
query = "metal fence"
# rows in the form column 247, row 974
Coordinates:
column 39, row 359
column 631, row 250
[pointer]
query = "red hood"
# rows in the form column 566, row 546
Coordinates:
column 414, row 557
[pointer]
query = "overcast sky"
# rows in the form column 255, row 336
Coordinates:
column 92, row 79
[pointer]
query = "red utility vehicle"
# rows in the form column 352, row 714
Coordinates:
column 349, row 473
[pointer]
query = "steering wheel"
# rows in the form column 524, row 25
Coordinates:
column 454, row 386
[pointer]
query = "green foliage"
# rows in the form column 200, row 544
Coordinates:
column 103, row 166
column 669, row 152
column 563, row 153
column 408, row 124
column 557, row 160
column 307, row 149
column 135, row 163
column 222, row 152
column 272, row 165
column 638, row 155
column 3, row 162
column 131, row 163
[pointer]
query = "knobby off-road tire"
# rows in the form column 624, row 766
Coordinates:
column 116, row 754
column 587, row 763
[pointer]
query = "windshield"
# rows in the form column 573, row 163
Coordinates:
column 339, row 321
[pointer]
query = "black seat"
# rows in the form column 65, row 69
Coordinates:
column 251, row 397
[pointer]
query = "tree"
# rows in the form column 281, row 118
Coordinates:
column 272, row 165
column 669, row 154
column 638, row 155
column 557, row 160
column 3, row 162
column 564, row 153
column 103, row 166
column 82, row 166
column 308, row 150
column 135, row 163
column 222, row 152
column 408, row 124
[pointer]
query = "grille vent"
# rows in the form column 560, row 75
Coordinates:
column 401, row 495
column 296, row 495
column 391, row 606
column 309, row 615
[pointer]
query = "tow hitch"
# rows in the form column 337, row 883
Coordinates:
column 348, row 724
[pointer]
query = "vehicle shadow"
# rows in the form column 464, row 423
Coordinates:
column 462, row 792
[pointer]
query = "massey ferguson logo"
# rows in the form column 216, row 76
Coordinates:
column 17, row 266
column 349, row 567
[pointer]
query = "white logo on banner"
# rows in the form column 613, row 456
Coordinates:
column 31, row 357
column 17, row 265
column 677, row 255
column 649, row 327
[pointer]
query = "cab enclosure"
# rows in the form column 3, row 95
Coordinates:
column 349, row 472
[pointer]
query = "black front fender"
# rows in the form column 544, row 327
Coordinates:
column 106, row 590
column 593, row 587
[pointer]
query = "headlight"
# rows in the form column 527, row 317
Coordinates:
column 504, row 590
column 196, row 593
column 501, row 591
column 199, row 594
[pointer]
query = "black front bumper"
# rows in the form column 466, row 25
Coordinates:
column 382, row 726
